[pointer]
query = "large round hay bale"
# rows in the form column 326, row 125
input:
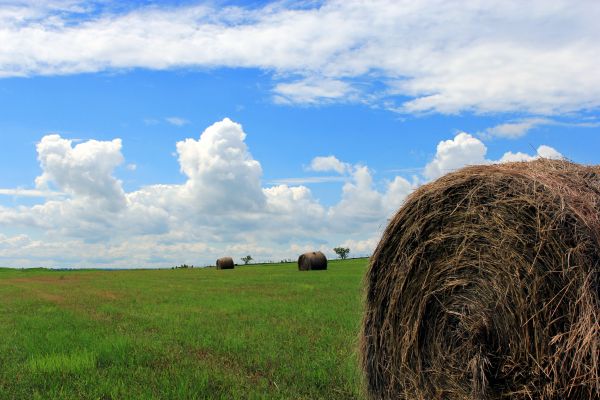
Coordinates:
column 225, row 263
column 313, row 260
column 485, row 285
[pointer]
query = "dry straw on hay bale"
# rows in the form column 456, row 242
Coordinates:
column 225, row 263
column 485, row 285
column 313, row 260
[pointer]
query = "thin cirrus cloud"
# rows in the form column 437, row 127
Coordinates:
column 515, row 129
column 177, row 121
column 30, row 193
column 308, row 179
column 422, row 56
column 519, row 128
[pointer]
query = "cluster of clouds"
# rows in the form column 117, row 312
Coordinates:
column 534, row 59
column 412, row 56
column 466, row 149
column 222, row 207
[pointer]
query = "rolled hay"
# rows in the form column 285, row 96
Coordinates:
column 225, row 263
column 485, row 285
column 313, row 260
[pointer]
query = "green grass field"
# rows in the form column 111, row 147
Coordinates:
column 262, row 331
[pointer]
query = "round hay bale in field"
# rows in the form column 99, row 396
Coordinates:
column 313, row 260
column 225, row 263
column 485, row 285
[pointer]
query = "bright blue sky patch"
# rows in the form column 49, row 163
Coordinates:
column 187, row 130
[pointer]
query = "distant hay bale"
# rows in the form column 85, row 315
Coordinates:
column 313, row 260
column 485, row 285
column 225, row 263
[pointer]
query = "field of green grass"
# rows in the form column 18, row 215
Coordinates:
column 255, row 332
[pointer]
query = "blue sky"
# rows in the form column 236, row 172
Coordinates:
column 175, row 132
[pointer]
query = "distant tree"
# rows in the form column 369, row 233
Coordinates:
column 342, row 252
column 183, row 266
column 247, row 259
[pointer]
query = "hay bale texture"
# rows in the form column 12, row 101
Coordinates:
column 225, row 263
column 313, row 260
column 485, row 285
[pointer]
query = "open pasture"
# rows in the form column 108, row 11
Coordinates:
column 261, row 331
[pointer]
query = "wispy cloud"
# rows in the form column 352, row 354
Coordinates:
column 30, row 193
column 307, row 180
column 313, row 91
column 519, row 128
column 177, row 121
column 151, row 121
column 415, row 170
column 513, row 130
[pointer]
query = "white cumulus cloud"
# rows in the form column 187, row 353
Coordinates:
column 543, row 151
column 362, row 205
column 329, row 163
column 83, row 170
column 222, row 174
column 221, row 208
column 452, row 154
column 466, row 149
column 221, row 205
